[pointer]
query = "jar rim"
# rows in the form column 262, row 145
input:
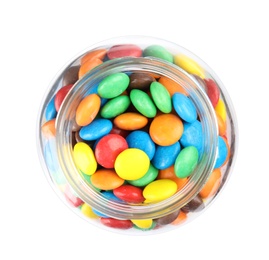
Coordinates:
column 197, row 179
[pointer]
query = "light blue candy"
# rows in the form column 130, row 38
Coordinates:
column 141, row 140
column 110, row 196
column 184, row 107
column 50, row 110
column 192, row 135
column 99, row 214
column 165, row 156
column 222, row 152
column 96, row 129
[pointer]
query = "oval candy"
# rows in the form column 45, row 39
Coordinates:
column 143, row 103
column 105, row 179
column 143, row 223
column 87, row 211
column 186, row 162
column 184, row 107
column 130, row 121
column 189, row 65
column 96, row 129
column 161, row 97
column 212, row 185
column 129, row 194
column 158, row 52
column 196, row 204
column 84, row 158
column 60, row 95
column 115, row 106
column 113, row 85
column 212, row 91
column 165, row 156
column 70, row 76
column 222, row 153
column 124, row 50
column 87, row 109
column 48, row 129
column 140, row 80
column 159, row 190
column 99, row 54
column 88, row 65
column 116, row 223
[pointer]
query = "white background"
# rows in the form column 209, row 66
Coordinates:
column 39, row 37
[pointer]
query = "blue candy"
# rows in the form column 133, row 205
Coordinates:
column 110, row 196
column 141, row 140
column 165, row 156
column 222, row 152
column 50, row 110
column 99, row 214
column 192, row 135
column 184, row 107
column 96, row 129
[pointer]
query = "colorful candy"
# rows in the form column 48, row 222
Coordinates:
column 166, row 129
column 132, row 164
column 113, row 85
column 137, row 137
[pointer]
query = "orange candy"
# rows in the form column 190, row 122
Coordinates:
column 48, row 129
column 106, row 179
column 88, row 65
column 182, row 217
column 212, row 185
column 166, row 129
column 130, row 121
column 87, row 109
column 169, row 173
column 172, row 86
column 100, row 54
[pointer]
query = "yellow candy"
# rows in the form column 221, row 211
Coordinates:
column 132, row 164
column 159, row 190
column 84, row 158
column 221, row 109
column 143, row 223
column 87, row 211
column 189, row 65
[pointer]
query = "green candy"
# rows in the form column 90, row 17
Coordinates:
column 146, row 229
column 150, row 176
column 161, row 97
column 143, row 103
column 158, row 52
column 115, row 107
column 113, row 85
column 186, row 161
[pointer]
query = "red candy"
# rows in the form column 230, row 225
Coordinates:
column 60, row 95
column 116, row 223
column 124, row 50
column 129, row 193
column 212, row 91
column 71, row 198
column 108, row 148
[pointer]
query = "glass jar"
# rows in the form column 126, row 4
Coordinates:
column 181, row 182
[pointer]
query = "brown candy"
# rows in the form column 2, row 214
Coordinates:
column 71, row 75
column 165, row 220
column 195, row 204
column 140, row 81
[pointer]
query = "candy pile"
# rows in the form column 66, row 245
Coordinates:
column 137, row 137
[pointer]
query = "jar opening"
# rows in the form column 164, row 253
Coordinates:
column 65, row 123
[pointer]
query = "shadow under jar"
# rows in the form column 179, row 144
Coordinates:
column 137, row 134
